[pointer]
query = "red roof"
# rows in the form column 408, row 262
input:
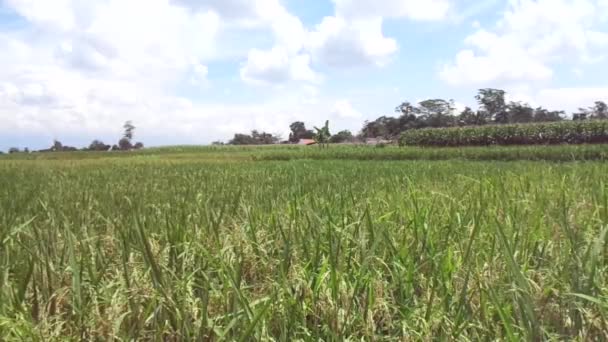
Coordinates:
column 306, row 142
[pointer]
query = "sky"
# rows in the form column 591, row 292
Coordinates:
column 196, row 71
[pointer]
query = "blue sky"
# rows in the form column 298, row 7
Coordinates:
column 195, row 71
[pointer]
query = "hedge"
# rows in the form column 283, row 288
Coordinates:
column 564, row 132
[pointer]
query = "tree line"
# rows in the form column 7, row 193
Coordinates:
column 125, row 143
column 493, row 108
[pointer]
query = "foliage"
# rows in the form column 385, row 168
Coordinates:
column 437, row 113
column 255, row 138
column 322, row 136
column 14, row 150
column 129, row 130
column 125, row 144
column 181, row 247
column 342, row 137
column 493, row 108
column 299, row 131
column 598, row 111
column 492, row 105
column 98, row 145
column 567, row 132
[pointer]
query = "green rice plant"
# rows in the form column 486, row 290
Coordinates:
column 306, row 244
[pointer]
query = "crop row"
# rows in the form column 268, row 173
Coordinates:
column 567, row 132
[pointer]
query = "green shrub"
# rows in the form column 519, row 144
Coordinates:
column 566, row 132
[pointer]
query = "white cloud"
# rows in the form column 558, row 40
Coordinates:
column 339, row 43
column 277, row 66
column 52, row 14
column 88, row 66
column 527, row 41
column 412, row 9
column 286, row 61
column 343, row 109
column 353, row 35
column 570, row 99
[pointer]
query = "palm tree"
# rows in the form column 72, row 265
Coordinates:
column 323, row 135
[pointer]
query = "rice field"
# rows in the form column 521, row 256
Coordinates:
column 245, row 244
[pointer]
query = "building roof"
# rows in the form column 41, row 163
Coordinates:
column 306, row 142
column 374, row 141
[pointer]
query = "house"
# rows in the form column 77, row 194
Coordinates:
column 306, row 142
column 376, row 141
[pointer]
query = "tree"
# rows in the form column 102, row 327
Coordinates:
column 263, row 138
column 519, row 112
column 543, row 115
column 138, row 145
column 242, row 139
column 381, row 127
column 13, row 150
column 407, row 120
column 124, row 144
column 26, row 150
column 342, row 136
column 468, row 117
column 406, row 109
column 57, row 146
column 299, row 131
column 322, row 136
column 599, row 110
column 98, row 145
column 129, row 130
column 255, row 138
column 492, row 103
column 217, row 143
column 437, row 112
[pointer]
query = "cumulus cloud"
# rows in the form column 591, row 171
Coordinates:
column 286, row 60
column 88, row 66
column 570, row 99
column 340, row 43
column 277, row 66
column 343, row 109
column 354, row 36
column 412, row 9
column 527, row 41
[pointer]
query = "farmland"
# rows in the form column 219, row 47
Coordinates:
column 564, row 132
column 284, row 243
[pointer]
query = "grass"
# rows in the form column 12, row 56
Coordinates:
column 345, row 152
column 211, row 245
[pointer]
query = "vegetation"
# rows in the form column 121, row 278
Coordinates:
column 98, row 145
column 176, row 244
column 498, row 153
column 323, row 135
column 255, row 138
column 567, row 132
column 299, row 131
column 342, row 137
column 230, row 153
column 493, row 109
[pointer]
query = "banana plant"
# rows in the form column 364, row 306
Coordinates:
column 322, row 136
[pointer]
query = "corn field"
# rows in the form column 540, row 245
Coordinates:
column 191, row 246
column 565, row 132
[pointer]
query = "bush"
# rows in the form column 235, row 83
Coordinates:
column 566, row 132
